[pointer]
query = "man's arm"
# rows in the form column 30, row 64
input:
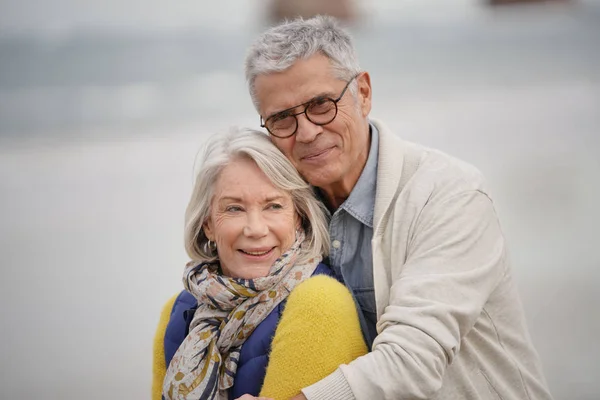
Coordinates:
column 456, row 258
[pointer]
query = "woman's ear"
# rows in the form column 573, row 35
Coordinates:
column 298, row 221
column 207, row 228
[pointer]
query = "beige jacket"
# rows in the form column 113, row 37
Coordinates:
column 450, row 322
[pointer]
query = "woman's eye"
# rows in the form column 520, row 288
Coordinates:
column 233, row 208
column 275, row 206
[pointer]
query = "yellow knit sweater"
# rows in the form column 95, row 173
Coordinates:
column 159, row 365
column 318, row 331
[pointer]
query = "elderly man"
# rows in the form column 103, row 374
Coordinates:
column 414, row 232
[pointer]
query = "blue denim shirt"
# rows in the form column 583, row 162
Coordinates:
column 351, row 231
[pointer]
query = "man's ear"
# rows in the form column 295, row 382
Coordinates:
column 364, row 93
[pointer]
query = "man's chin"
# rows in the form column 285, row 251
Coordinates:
column 320, row 178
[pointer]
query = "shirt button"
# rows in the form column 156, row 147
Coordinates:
column 336, row 244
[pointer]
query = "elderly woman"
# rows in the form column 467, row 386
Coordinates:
column 256, row 234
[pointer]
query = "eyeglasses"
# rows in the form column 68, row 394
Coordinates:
column 319, row 111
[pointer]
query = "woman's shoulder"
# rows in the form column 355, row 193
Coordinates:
column 323, row 269
column 259, row 342
column 182, row 312
column 320, row 292
column 318, row 331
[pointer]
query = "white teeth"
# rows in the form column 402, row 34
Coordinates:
column 257, row 253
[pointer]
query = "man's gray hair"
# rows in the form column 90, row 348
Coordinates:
column 281, row 46
column 219, row 151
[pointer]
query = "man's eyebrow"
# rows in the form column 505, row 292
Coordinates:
column 318, row 96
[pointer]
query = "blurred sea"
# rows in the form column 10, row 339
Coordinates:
column 99, row 130
column 72, row 81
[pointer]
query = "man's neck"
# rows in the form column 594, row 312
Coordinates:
column 336, row 193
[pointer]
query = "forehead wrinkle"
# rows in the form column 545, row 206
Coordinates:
column 240, row 199
column 229, row 198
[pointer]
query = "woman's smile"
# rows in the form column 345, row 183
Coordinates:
column 257, row 253
column 252, row 222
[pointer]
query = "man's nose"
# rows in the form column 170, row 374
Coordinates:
column 307, row 131
column 256, row 225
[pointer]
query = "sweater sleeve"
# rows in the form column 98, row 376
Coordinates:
column 455, row 259
column 318, row 331
column 159, row 364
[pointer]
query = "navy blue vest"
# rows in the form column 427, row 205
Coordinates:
column 254, row 355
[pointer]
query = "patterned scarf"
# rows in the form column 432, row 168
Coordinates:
column 229, row 309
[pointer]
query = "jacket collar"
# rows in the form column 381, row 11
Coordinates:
column 390, row 161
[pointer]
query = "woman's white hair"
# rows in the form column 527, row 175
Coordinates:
column 278, row 48
column 219, row 151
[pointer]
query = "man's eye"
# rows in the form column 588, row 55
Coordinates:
column 282, row 124
column 320, row 106
column 280, row 117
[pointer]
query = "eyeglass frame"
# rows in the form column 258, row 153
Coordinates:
column 306, row 105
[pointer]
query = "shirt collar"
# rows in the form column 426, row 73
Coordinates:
column 361, row 202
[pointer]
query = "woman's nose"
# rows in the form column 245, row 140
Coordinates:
column 256, row 225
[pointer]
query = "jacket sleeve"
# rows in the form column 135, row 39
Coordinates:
column 455, row 259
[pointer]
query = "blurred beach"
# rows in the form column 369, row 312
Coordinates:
column 100, row 124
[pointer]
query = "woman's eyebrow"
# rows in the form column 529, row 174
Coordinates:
column 274, row 198
column 236, row 199
column 225, row 199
